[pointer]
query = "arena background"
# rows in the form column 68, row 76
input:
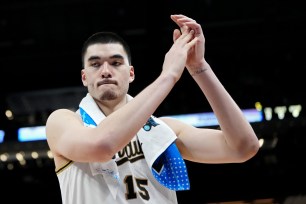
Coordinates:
column 256, row 48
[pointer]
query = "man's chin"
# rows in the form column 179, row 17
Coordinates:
column 108, row 96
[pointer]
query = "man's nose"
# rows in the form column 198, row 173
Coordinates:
column 105, row 70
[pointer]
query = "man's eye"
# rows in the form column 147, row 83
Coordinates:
column 95, row 64
column 116, row 63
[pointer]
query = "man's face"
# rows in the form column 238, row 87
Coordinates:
column 107, row 72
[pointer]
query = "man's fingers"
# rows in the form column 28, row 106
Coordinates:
column 185, row 38
column 176, row 34
column 195, row 26
column 192, row 42
column 185, row 22
column 182, row 26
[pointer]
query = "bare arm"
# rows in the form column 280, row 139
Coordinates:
column 236, row 141
column 70, row 140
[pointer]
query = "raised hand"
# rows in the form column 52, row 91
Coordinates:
column 195, row 59
column 175, row 58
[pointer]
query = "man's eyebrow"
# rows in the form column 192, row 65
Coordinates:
column 94, row 57
column 117, row 56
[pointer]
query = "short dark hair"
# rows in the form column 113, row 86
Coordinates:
column 106, row 38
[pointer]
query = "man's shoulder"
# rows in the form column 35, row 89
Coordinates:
column 60, row 114
column 61, row 111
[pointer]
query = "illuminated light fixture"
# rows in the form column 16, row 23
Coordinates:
column 282, row 111
column 268, row 143
column 295, row 110
column 4, row 157
column 209, row 118
column 27, row 134
column 34, row 155
column 268, row 113
column 20, row 156
column 2, row 134
column 23, row 162
column 261, row 142
column 35, row 133
column 10, row 166
column 258, row 106
column 9, row 114
column 50, row 155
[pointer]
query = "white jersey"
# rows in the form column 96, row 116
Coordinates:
column 137, row 184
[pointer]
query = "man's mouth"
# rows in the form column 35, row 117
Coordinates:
column 107, row 82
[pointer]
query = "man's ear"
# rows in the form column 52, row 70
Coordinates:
column 132, row 74
column 83, row 77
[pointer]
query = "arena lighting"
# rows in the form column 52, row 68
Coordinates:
column 9, row 114
column 281, row 112
column 268, row 143
column 24, row 159
column 2, row 133
column 209, row 118
column 27, row 134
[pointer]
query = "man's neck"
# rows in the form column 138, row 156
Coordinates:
column 109, row 106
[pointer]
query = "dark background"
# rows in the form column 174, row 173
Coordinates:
column 255, row 47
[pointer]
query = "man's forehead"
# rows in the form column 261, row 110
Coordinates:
column 105, row 50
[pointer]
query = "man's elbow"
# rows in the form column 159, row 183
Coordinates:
column 250, row 149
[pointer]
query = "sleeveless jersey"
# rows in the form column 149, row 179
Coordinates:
column 137, row 184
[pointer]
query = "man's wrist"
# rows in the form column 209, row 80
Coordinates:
column 198, row 71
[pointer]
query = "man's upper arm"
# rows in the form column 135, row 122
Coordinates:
column 59, row 130
column 200, row 144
